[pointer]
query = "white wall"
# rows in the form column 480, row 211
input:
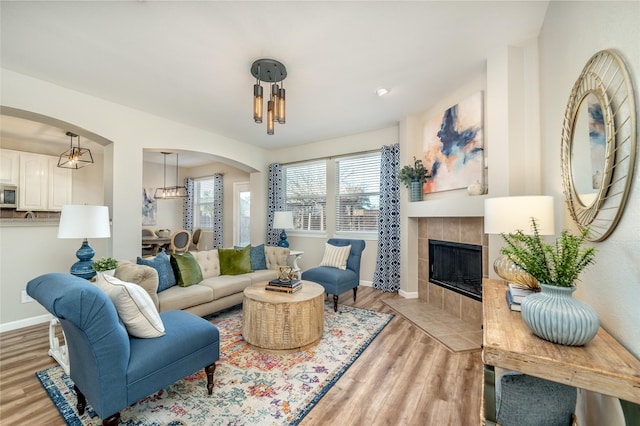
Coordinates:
column 131, row 131
column 571, row 34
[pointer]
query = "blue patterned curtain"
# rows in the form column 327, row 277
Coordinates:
column 387, row 273
column 276, row 201
column 187, row 209
column 218, row 195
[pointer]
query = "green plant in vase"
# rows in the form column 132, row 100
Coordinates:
column 558, row 265
column 104, row 264
column 554, row 314
column 414, row 177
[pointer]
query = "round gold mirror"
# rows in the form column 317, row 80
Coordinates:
column 599, row 145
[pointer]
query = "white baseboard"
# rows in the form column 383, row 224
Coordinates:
column 14, row 325
column 366, row 283
column 407, row 294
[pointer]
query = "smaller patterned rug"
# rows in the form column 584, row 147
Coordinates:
column 252, row 387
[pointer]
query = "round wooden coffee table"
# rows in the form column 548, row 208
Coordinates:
column 277, row 321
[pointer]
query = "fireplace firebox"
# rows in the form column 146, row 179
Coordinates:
column 457, row 267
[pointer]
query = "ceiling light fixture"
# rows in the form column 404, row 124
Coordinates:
column 75, row 157
column 382, row 91
column 271, row 71
column 169, row 192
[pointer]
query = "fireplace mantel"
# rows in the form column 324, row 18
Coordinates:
column 464, row 206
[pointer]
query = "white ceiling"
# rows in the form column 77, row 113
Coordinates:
column 190, row 61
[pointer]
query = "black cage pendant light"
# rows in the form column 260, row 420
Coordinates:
column 169, row 192
column 75, row 157
column 274, row 72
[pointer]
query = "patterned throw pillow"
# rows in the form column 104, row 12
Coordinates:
column 134, row 305
column 256, row 257
column 166, row 277
column 335, row 257
column 235, row 261
column 186, row 268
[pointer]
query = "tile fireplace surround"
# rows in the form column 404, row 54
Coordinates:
column 469, row 230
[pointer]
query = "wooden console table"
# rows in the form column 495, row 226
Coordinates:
column 602, row 365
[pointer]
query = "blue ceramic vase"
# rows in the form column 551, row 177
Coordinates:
column 416, row 190
column 555, row 315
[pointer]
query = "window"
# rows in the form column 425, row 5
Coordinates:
column 351, row 197
column 358, row 193
column 242, row 213
column 203, row 203
column 306, row 194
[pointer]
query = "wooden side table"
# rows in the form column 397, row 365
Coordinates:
column 602, row 365
column 279, row 321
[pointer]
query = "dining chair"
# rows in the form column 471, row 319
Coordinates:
column 195, row 239
column 180, row 241
column 148, row 249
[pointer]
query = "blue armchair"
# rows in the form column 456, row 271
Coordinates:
column 111, row 369
column 336, row 281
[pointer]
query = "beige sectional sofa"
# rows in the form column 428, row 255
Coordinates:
column 214, row 293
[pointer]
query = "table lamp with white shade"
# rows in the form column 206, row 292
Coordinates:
column 506, row 215
column 283, row 220
column 84, row 221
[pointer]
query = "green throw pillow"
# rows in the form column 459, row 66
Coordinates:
column 186, row 269
column 235, row 261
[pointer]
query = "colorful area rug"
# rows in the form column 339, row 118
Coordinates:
column 252, row 387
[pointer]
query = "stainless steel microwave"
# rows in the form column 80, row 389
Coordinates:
column 8, row 196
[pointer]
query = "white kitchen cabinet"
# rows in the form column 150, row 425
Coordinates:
column 43, row 186
column 9, row 166
column 60, row 185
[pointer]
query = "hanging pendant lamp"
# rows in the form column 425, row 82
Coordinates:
column 274, row 72
column 170, row 192
column 75, row 157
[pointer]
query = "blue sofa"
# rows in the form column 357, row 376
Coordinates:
column 110, row 369
column 336, row 281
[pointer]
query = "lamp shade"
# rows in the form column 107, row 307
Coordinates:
column 283, row 220
column 83, row 221
column 509, row 214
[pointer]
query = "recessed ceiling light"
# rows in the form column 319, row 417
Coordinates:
column 382, row 91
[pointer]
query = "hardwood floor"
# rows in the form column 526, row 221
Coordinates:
column 403, row 378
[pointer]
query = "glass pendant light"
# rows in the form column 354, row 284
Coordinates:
column 257, row 100
column 274, row 72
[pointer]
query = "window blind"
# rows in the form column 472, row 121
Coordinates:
column 306, row 194
column 358, row 193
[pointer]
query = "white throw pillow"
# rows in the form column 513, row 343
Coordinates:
column 134, row 305
column 335, row 256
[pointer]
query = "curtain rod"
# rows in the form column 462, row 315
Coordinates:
column 331, row 157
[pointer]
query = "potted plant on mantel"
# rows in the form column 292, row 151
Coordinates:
column 413, row 178
column 554, row 314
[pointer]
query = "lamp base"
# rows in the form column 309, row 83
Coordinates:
column 283, row 240
column 83, row 268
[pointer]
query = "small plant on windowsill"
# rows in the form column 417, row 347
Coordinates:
column 104, row 264
column 417, row 173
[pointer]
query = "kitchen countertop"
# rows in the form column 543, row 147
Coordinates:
column 14, row 222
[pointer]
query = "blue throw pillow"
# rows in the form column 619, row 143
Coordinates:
column 256, row 257
column 161, row 263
